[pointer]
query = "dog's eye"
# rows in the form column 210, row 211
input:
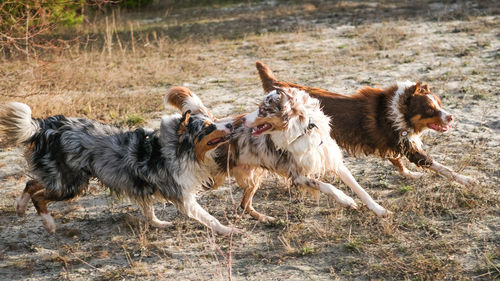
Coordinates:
column 429, row 111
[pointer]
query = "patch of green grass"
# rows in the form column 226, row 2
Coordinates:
column 353, row 245
column 134, row 120
column 405, row 188
column 306, row 250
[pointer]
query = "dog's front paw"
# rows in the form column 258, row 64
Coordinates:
column 379, row 210
column 266, row 219
column 346, row 200
column 226, row 230
column 465, row 180
column 412, row 175
column 160, row 224
column 384, row 214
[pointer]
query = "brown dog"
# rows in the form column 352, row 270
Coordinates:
column 385, row 122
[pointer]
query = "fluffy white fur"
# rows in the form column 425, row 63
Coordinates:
column 314, row 150
column 395, row 113
column 21, row 126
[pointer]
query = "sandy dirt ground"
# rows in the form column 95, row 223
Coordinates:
column 439, row 231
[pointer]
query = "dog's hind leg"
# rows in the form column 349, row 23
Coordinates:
column 402, row 169
column 149, row 213
column 249, row 180
column 192, row 209
column 40, row 200
column 32, row 186
column 326, row 188
column 349, row 180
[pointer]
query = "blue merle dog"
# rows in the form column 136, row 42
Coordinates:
column 144, row 165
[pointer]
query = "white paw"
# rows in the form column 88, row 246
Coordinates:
column 266, row 219
column 465, row 180
column 345, row 200
column 225, row 230
column 21, row 203
column 412, row 175
column 378, row 210
column 48, row 223
column 384, row 213
column 160, row 224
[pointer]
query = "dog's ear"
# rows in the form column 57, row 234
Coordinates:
column 286, row 94
column 418, row 86
column 425, row 88
column 421, row 88
column 186, row 116
column 266, row 76
column 289, row 93
column 283, row 92
column 183, row 125
column 183, row 99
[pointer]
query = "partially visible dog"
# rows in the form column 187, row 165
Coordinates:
column 143, row 165
column 385, row 122
column 289, row 135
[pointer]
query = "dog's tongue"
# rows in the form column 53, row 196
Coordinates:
column 216, row 141
column 440, row 128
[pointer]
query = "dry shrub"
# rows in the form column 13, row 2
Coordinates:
column 29, row 26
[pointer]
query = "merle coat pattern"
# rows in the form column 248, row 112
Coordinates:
column 144, row 165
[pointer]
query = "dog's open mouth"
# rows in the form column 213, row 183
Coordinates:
column 439, row 128
column 219, row 140
column 261, row 129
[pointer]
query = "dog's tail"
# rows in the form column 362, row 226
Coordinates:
column 183, row 99
column 16, row 124
column 266, row 76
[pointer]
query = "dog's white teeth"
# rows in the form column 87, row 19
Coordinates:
column 254, row 130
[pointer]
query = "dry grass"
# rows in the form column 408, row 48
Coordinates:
column 440, row 230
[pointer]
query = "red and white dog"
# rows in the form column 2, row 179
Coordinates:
column 385, row 122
